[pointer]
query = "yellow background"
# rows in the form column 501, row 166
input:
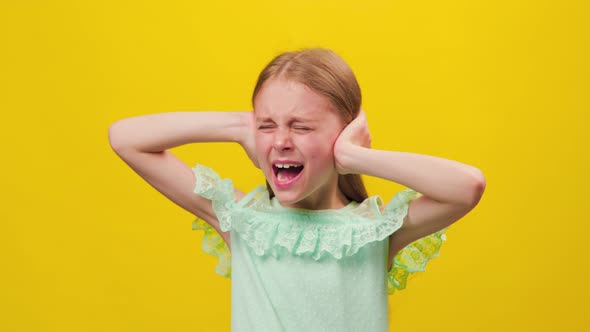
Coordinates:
column 87, row 245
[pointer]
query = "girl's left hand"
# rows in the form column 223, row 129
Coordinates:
column 356, row 133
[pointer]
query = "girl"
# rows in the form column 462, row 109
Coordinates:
column 310, row 251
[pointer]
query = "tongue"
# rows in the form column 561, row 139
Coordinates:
column 287, row 174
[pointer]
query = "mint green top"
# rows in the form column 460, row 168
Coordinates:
column 309, row 270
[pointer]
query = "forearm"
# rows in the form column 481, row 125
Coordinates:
column 158, row 132
column 440, row 179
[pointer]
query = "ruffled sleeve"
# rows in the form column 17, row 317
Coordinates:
column 221, row 193
column 414, row 257
column 213, row 244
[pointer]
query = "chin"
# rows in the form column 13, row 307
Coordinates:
column 287, row 198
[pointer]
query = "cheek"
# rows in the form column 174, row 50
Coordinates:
column 324, row 153
column 327, row 143
column 261, row 143
column 321, row 151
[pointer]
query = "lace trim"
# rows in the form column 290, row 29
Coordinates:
column 279, row 232
column 221, row 193
column 267, row 227
column 413, row 258
column 213, row 244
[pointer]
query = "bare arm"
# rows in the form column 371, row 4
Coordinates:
column 142, row 143
column 158, row 132
column 450, row 189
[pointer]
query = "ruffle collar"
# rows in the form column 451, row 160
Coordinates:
column 269, row 228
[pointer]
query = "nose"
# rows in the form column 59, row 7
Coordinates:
column 282, row 140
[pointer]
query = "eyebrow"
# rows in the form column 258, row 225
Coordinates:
column 293, row 119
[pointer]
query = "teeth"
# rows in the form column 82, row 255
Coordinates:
column 286, row 165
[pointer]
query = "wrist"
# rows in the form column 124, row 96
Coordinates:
column 245, row 127
column 347, row 160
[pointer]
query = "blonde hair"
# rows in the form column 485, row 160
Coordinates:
column 325, row 72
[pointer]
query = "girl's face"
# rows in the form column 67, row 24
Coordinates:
column 295, row 133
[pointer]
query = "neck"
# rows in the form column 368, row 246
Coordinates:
column 329, row 197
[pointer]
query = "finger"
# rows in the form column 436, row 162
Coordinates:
column 362, row 115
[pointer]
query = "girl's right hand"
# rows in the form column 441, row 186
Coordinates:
column 248, row 141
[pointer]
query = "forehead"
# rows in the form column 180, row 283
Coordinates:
column 280, row 99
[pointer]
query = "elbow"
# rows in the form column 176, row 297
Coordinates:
column 115, row 137
column 478, row 187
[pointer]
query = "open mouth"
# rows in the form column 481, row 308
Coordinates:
column 286, row 173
